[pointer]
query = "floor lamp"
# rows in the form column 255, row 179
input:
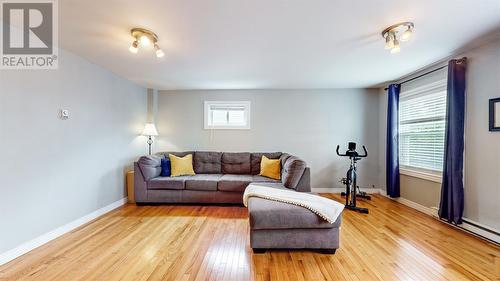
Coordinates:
column 150, row 131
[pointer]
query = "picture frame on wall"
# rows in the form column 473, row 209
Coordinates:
column 495, row 115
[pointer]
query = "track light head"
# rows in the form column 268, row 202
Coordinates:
column 159, row 52
column 396, row 49
column 389, row 41
column 144, row 40
column 406, row 35
column 134, row 47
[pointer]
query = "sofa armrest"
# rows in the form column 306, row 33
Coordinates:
column 140, row 185
column 304, row 184
column 150, row 166
column 293, row 170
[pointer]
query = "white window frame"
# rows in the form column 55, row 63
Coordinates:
column 207, row 117
column 426, row 174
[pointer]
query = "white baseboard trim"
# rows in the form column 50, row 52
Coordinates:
column 416, row 206
column 413, row 205
column 340, row 189
column 39, row 241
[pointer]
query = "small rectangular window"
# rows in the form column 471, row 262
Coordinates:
column 227, row 115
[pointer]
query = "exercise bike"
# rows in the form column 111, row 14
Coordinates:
column 352, row 191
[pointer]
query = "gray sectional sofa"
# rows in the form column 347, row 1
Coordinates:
column 221, row 177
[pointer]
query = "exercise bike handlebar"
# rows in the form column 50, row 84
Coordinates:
column 366, row 153
column 360, row 156
column 338, row 147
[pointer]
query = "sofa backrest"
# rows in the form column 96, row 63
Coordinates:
column 256, row 158
column 210, row 162
column 207, row 162
column 236, row 163
column 176, row 153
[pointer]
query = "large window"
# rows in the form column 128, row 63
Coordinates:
column 422, row 113
column 227, row 115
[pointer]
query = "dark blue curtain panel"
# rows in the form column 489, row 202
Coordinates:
column 451, row 207
column 392, row 154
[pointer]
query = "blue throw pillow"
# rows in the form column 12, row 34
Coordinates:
column 165, row 167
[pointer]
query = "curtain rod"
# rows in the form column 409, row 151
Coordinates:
column 421, row 75
column 462, row 60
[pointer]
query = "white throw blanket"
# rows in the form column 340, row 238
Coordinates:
column 327, row 209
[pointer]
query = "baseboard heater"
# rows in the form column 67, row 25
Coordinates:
column 479, row 230
column 474, row 228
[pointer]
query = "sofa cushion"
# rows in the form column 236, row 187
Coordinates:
column 234, row 183
column 176, row 153
column 257, row 157
column 206, row 182
column 181, row 166
column 168, row 182
column 261, row 179
column 150, row 166
column 270, row 168
column 165, row 167
column 292, row 171
column 206, row 162
column 236, row 163
column 269, row 214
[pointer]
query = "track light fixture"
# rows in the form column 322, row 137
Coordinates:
column 395, row 34
column 144, row 38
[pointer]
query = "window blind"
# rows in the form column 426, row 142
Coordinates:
column 227, row 115
column 227, row 108
column 422, row 113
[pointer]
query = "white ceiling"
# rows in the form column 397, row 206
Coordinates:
column 248, row 44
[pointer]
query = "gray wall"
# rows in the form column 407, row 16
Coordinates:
column 53, row 171
column 482, row 154
column 307, row 123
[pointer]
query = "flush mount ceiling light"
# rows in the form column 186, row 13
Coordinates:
column 394, row 34
column 144, row 38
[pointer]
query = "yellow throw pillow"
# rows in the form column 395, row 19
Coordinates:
column 270, row 168
column 181, row 166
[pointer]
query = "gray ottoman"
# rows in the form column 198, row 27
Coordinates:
column 276, row 225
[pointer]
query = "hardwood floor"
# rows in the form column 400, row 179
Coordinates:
column 393, row 242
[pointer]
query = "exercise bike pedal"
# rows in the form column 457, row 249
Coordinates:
column 364, row 195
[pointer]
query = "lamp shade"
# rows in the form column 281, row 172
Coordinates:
column 150, row 130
